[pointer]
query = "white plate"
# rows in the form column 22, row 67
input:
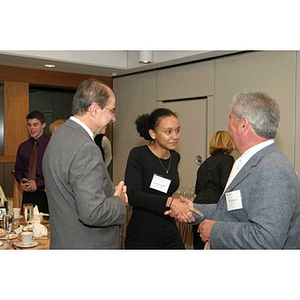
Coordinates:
column 11, row 236
column 26, row 246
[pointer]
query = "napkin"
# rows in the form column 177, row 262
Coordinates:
column 2, row 196
column 38, row 230
column 37, row 216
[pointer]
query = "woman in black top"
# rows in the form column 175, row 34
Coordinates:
column 152, row 177
column 212, row 175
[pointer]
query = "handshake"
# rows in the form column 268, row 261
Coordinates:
column 181, row 209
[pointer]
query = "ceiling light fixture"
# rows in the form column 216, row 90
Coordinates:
column 146, row 57
column 49, row 66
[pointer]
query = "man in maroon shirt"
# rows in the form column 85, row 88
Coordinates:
column 33, row 188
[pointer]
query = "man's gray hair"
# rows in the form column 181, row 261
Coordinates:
column 260, row 110
column 89, row 91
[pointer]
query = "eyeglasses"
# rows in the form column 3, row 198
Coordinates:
column 112, row 111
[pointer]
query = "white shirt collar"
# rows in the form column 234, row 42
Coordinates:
column 89, row 131
column 251, row 151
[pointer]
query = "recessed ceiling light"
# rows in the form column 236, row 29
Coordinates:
column 49, row 66
column 146, row 57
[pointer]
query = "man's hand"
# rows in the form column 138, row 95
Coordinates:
column 28, row 185
column 205, row 229
column 182, row 209
column 121, row 191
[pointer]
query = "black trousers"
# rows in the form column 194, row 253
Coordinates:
column 198, row 244
column 171, row 242
column 38, row 198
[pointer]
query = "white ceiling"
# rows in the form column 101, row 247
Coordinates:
column 102, row 63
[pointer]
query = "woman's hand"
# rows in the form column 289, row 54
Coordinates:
column 181, row 209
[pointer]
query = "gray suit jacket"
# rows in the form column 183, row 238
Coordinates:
column 84, row 214
column 270, row 217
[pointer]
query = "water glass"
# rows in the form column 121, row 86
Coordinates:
column 8, row 221
column 28, row 212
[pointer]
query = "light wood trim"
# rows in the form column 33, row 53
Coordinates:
column 47, row 78
column 17, row 194
column 7, row 159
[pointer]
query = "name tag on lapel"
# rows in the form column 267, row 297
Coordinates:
column 160, row 183
column 234, row 200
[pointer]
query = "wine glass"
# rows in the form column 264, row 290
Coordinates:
column 28, row 212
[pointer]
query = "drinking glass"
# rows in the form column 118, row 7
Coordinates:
column 28, row 212
column 8, row 221
column 10, row 205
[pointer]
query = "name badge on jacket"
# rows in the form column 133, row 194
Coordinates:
column 234, row 200
column 160, row 183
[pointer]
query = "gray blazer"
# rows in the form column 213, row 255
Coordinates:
column 270, row 217
column 84, row 214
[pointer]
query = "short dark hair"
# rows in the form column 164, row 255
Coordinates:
column 36, row 114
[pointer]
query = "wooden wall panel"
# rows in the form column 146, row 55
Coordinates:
column 16, row 106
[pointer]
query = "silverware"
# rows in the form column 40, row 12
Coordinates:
column 41, row 244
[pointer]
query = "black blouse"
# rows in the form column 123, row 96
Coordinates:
column 212, row 176
column 148, row 222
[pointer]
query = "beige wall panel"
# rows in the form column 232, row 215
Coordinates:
column 187, row 81
column 272, row 72
column 297, row 113
column 136, row 95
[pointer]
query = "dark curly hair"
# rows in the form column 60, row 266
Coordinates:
column 146, row 122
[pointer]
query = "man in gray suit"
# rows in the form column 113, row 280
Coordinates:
column 86, row 211
column 260, row 207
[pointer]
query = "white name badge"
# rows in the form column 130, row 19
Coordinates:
column 234, row 200
column 160, row 183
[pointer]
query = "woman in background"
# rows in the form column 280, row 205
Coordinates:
column 54, row 125
column 152, row 177
column 104, row 144
column 212, row 175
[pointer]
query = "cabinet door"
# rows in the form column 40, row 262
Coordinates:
column 193, row 141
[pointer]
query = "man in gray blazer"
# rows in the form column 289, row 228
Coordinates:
column 86, row 211
column 260, row 207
